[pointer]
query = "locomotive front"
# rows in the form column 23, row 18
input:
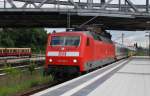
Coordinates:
column 63, row 54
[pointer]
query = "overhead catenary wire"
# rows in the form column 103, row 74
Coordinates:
column 88, row 21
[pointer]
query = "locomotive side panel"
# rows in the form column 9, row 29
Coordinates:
column 102, row 53
column 88, row 53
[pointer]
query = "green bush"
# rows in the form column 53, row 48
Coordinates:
column 24, row 82
column 31, row 68
column 34, row 83
column 12, row 71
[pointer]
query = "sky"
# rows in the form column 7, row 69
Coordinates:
column 130, row 37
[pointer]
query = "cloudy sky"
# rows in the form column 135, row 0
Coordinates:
column 131, row 37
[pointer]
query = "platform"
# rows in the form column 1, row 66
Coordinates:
column 130, row 77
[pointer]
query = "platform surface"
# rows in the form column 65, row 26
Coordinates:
column 130, row 77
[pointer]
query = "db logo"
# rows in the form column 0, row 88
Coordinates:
column 62, row 48
column 62, row 53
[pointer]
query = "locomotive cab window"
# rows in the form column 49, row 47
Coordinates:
column 65, row 41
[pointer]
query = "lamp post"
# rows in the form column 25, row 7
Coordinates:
column 149, row 40
column 147, row 6
column 4, row 3
column 122, row 37
column 148, row 24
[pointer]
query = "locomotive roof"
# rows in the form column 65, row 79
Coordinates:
column 73, row 32
column 70, row 32
column 101, row 37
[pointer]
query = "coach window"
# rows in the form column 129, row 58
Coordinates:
column 88, row 42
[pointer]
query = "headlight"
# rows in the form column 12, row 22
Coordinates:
column 75, row 61
column 50, row 60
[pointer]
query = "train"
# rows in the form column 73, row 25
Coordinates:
column 5, row 52
column 76, row 52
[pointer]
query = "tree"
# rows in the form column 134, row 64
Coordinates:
column 23, row 37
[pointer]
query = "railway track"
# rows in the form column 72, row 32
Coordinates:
column 40, row 88
column 16, row 57
column 21, row 64
column 22, row 67
column 19, row 60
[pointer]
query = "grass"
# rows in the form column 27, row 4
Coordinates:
column 142, row 54
column 17, row 81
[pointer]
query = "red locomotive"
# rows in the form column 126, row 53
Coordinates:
column 78, row 52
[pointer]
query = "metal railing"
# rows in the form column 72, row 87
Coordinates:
column 106, row 7
column 121, row 5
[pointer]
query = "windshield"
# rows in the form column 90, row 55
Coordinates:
column 65, row 41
